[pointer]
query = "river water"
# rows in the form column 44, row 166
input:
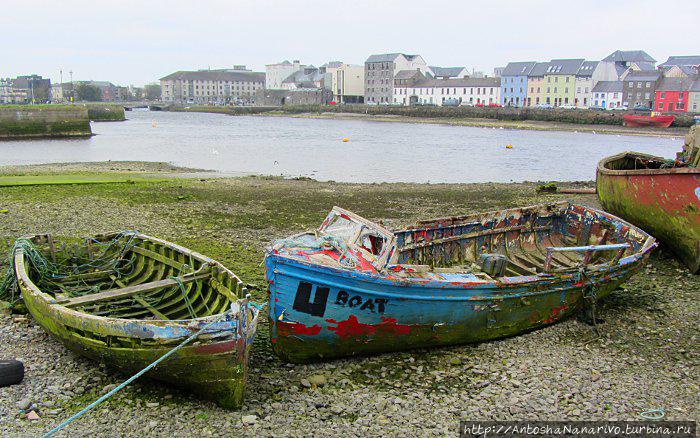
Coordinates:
column 375, row 152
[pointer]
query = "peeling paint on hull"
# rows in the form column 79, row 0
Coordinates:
column 664, row 202
column 319, row 311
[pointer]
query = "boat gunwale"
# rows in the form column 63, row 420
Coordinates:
column 602, row 170
column 157, row 328
column 500, row 283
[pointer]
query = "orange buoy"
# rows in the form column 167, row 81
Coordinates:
column 345, row 140
column 509, row 146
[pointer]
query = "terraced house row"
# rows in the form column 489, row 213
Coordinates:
column 624, row 79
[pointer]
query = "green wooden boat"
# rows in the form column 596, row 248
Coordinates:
column 127, row 298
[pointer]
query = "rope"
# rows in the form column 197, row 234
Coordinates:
column 129, row 380
column 47, row 271
column 653, row 414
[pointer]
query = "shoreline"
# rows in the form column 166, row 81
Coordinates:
column 528, row 125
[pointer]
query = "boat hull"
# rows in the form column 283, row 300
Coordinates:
column 648, row 121
column 213, row 366
column 320, row 313
column 663, row 202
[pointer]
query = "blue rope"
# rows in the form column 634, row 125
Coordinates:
column 129, row 380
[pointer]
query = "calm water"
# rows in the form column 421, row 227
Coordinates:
column 376, row 151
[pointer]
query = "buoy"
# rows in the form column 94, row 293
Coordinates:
column 345, row 140
column 509, row 146
column 153, row 124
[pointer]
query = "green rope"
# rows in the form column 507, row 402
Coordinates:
column 45, row 272
column 181, row 285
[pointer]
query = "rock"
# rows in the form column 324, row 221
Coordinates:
column 305, row 383
column 455, row 361
column 317, row 379
column 24, row 404
column 152, row 404
column 33, row 416
column 109, row 388
column 249, row 420
column 337, row 409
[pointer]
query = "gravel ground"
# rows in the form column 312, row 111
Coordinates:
column 646, row 358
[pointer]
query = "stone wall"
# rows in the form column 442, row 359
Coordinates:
column 105, row 112
column 271, row 98
column 37, row 121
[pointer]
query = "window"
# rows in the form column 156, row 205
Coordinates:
column 663, row 95
column 661, row 106
column 639, row 85
column 631, row 84
column 648, row 84
column 567, row 79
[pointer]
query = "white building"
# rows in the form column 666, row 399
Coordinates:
column 412, row 88
column 211, row 86
column 275, row 74
column 583, row 84
column 607, row 94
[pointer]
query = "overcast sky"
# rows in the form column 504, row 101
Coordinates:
column 135, row 42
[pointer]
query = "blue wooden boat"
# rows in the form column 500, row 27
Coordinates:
column 352, row 287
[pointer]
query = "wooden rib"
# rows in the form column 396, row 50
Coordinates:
column 483, row 233
column 130, row 290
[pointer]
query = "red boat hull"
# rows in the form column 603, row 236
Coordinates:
column 648, row 121
column 662, row 202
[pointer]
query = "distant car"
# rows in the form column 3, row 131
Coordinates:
column 468, row 104
column 619, row 108
column 371, row 103
column 451, row 102
column 495, row 105
column 596, row 108
column 543, row 106
column 479, row 105
column 638, row 107
column 568, row 106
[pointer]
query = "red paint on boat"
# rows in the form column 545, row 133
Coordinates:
column 351, row 327
column 221, row 347
column 556, row 313
column 297, row 328
column 652, row 121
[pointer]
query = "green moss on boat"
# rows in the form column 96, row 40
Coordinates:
column 129, row 303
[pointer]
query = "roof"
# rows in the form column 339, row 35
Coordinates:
column 449, row 72
column 675, row 84
column 587, row 68
column 215, row 75
column 406, row 74
column 681, row 60
column 458, row 82
column 518, row 68
column 389, row 57
column 608, row 87
column 333, row 64
column 563, row 66
column 629, row 56
column 641, row 75
column 539, row 69
column 646, row 66
column 306, row 76
column 695, row 86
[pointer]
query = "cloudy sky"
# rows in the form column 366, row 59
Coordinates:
column 135, row 42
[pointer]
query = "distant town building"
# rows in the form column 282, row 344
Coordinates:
column 607, row 94
column 345, row 81
column 307, row 78
column 498, row 72
column 61, row 92
column 211, row 86
column 36, row 88
column 639, row 89
column 535, row 84
column 613, row 66
column 8, row 94
column 672, row 94
column 275, row 74
column 514, row 83
column 412, row 87
column 448, row 72
column 583, row 92
column 380, row 71
column 694, row 96
column 560, row 81
column 301, row 96
column 681, row 66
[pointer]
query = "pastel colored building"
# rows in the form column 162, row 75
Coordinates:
column 535, row 84
column 694, row 97
column 514, row 80
column 560, row 81
column 607, row 94
column 583, row 86
column 412, row 87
